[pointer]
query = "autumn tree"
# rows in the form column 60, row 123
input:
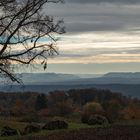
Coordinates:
column 41, row 102
column 23, row 26
column 132, row 112
column 112, row 110
column 59, row 104
column 18, row 107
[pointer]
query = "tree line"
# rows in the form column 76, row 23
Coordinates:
column 79, row 103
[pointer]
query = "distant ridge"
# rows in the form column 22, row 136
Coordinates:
column 123, row 74
column 126, row 83
column 36, row 78
column 69, row 79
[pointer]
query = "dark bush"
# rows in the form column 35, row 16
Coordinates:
column 85, row 118
column 7, row 131
column 97, row 120
column 57, row 124
column 31, row 129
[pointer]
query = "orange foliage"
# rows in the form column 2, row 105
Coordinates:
column 43, row 112
column 132, row 112
column 18, row 107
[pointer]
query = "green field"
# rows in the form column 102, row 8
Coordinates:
column 20, row 126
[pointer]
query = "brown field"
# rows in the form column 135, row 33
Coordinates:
column 114, row 133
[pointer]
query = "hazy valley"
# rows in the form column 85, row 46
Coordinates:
column 126, row 83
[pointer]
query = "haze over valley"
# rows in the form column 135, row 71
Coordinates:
column 126, row 83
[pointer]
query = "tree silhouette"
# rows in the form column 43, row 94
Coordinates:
column 26, row 34
column 41, row 102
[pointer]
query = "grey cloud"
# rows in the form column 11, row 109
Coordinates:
column 104, row 1
column 90, row 17
column 95, row 52
column 86, row 27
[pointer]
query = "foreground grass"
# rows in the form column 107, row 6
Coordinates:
column 20, row 126
column 72, row 126
column 112, row 133
column 12, row 123
column 44, row 133
column 82, row 131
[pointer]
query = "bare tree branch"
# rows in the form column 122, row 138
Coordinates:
column 22, row 26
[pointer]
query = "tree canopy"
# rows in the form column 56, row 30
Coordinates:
column 26, row 34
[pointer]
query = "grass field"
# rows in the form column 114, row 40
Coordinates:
column 112, row 133
column 20, row 126
column 76, row 131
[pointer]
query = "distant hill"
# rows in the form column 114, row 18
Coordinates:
column 68, row 79
column 126, row 83
column 78, row 79
column 40, row 78
column 122, row 75
column 109, row 78
column 90, row 75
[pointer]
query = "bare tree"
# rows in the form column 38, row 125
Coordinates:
column 26, row 34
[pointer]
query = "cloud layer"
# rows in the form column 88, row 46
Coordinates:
column 104, row 1
column 99, row 31
column 99, row 47
column 92, row 17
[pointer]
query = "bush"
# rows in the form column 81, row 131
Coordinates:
column 91, row 109
column 97, row 120
column 31, row 129
column 57, row 124
column 7, row 131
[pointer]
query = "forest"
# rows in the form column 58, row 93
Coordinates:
column 114, row 106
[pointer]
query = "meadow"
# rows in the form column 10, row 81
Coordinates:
column 77, row 131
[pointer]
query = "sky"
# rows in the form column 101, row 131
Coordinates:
column 102, row 36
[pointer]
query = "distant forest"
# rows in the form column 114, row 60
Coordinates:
column 72, row 103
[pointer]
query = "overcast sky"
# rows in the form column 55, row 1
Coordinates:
column 102, row 36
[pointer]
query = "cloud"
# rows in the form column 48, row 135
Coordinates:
column 87, row 27
column 99, row 33
column 98, row 47
column 91, row 17
column 104, row 1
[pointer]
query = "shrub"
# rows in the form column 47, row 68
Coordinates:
column 31, row 129
column 97, row 120
column 91, row 109
column 7, row 131
column 57, row 124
